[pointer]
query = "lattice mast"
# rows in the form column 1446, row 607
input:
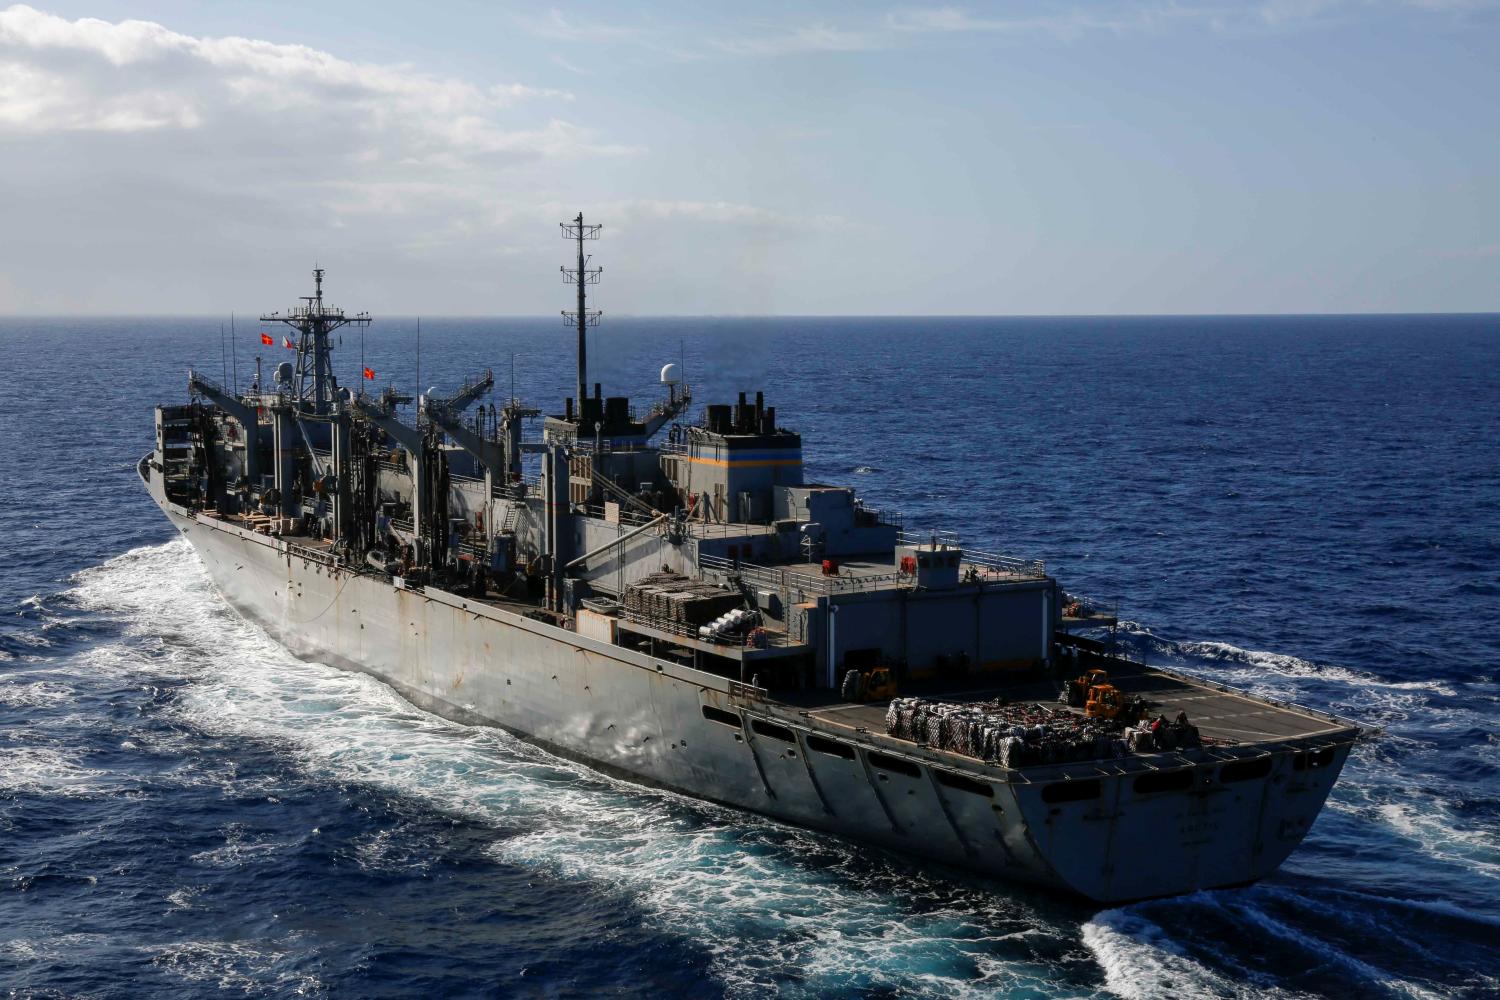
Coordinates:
column 314, row 382
column 582, row 276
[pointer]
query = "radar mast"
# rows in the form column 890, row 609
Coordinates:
column 314, row 384
column 581, row 276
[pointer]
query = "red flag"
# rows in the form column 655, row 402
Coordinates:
column 287, row 343
column 267, row 339
column 370, row 374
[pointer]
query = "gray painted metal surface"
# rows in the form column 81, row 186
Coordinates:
column 643, row 718
column 562, row 609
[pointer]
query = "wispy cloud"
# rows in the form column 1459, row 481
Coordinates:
column 902, row 26
column 554, row 23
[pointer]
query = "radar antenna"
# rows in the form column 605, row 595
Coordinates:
column 315, row 384
column 582, row 276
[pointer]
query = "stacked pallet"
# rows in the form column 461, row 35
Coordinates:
column 1009, row 735
column 679, row 599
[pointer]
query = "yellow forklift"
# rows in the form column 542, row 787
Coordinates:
column 1098, row 698
column 875, row 684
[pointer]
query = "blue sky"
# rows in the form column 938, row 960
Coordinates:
column 858, row 158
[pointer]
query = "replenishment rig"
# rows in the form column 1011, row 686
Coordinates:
column 669, row 600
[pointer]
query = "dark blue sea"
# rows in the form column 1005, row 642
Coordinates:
column 1305, row 507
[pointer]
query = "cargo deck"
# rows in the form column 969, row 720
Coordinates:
column 1222, row 715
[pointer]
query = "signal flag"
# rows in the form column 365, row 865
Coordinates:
column 370, row 374
column 267, row 339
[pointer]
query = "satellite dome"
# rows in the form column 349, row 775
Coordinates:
column 668, row 374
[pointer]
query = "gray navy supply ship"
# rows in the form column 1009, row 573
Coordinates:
column 668, row 600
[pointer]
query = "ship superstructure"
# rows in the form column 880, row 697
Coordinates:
column 663, row 595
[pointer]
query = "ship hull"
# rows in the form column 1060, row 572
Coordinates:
column 662, row 724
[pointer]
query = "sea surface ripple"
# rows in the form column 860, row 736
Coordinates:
column 1305, row 507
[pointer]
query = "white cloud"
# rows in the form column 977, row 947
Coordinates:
column 134, row 149
column 139, row 153
column 60, row 75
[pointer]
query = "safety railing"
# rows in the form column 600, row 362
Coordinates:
column 1006, row 565
column 866, row 516
column 987, row 564
column 715, row 529
column 941, row 536
column 780, row 578
column 322, row 557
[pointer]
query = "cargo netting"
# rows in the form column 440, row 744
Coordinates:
column 1018, row 735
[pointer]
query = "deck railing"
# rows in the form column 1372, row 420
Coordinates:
column 989, row 564
column 781, row 578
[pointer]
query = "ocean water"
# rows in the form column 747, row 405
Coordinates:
column 1305, row 507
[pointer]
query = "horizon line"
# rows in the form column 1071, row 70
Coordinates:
column 252, row 318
